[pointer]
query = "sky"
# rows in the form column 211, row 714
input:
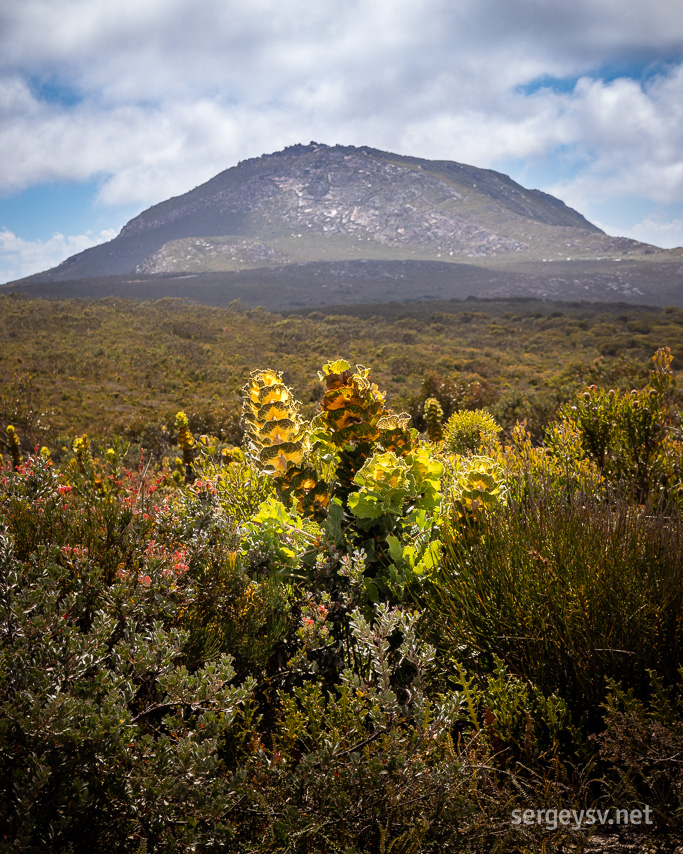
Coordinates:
column 107, row 108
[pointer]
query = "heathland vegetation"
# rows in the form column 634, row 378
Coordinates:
column 257, row 598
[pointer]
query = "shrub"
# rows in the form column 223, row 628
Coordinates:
column 106, row 738
column 624, row 432
column 470, row 431
column 567, row 595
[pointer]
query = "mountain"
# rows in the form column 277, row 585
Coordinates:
column 364, row 214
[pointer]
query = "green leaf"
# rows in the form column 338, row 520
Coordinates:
column 395, row 548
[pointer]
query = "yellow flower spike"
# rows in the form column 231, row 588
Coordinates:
column 433, row 415
column 186, row 442
column 14, row 446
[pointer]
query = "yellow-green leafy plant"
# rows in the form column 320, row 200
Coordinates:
column 433, row 415
column 276, row 437
column 284, row 541
column 479, row 487
column 470, row 431
column 624, row 432
column 395, row 511
column 353, row 424
column 357, row 469
column 384, row 483
column 351, row 406
column 278, row 443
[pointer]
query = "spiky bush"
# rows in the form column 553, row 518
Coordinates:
column 470, row 431
column 568, row 595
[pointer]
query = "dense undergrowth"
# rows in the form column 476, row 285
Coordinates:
column 120, row 368
column 345, row 636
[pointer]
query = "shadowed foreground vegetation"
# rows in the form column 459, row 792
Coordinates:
column 314, row 628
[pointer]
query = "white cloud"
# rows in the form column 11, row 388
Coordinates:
column 666, row 234
column 160, row 95
column 19, row 257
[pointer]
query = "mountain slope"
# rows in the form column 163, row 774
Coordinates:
column 319, row 203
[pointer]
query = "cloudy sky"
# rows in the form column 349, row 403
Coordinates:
column 109, row 107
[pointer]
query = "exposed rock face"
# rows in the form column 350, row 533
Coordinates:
column 334, row 203
column 196, row 254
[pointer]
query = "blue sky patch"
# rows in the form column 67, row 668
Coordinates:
column 65, row 207
column 632, row 69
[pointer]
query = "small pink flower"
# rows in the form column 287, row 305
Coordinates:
column 64, row 490
column 145, row 580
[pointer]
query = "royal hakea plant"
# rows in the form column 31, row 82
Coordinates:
column 314, row 461
column 276, row 436
column 357, row 469
column 277, row 440
column 354, row 423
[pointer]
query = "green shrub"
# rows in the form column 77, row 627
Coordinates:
column 624, row 432
column 107, row 740
column 567, row 595
column 470, row 431
column 227, row 661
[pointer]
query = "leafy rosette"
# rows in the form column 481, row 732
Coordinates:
column 480, row 487
column 426, row 474
column 399, row 501
column 385, row 483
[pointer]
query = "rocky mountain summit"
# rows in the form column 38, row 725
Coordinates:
column 341, row 205
column 322, row 203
